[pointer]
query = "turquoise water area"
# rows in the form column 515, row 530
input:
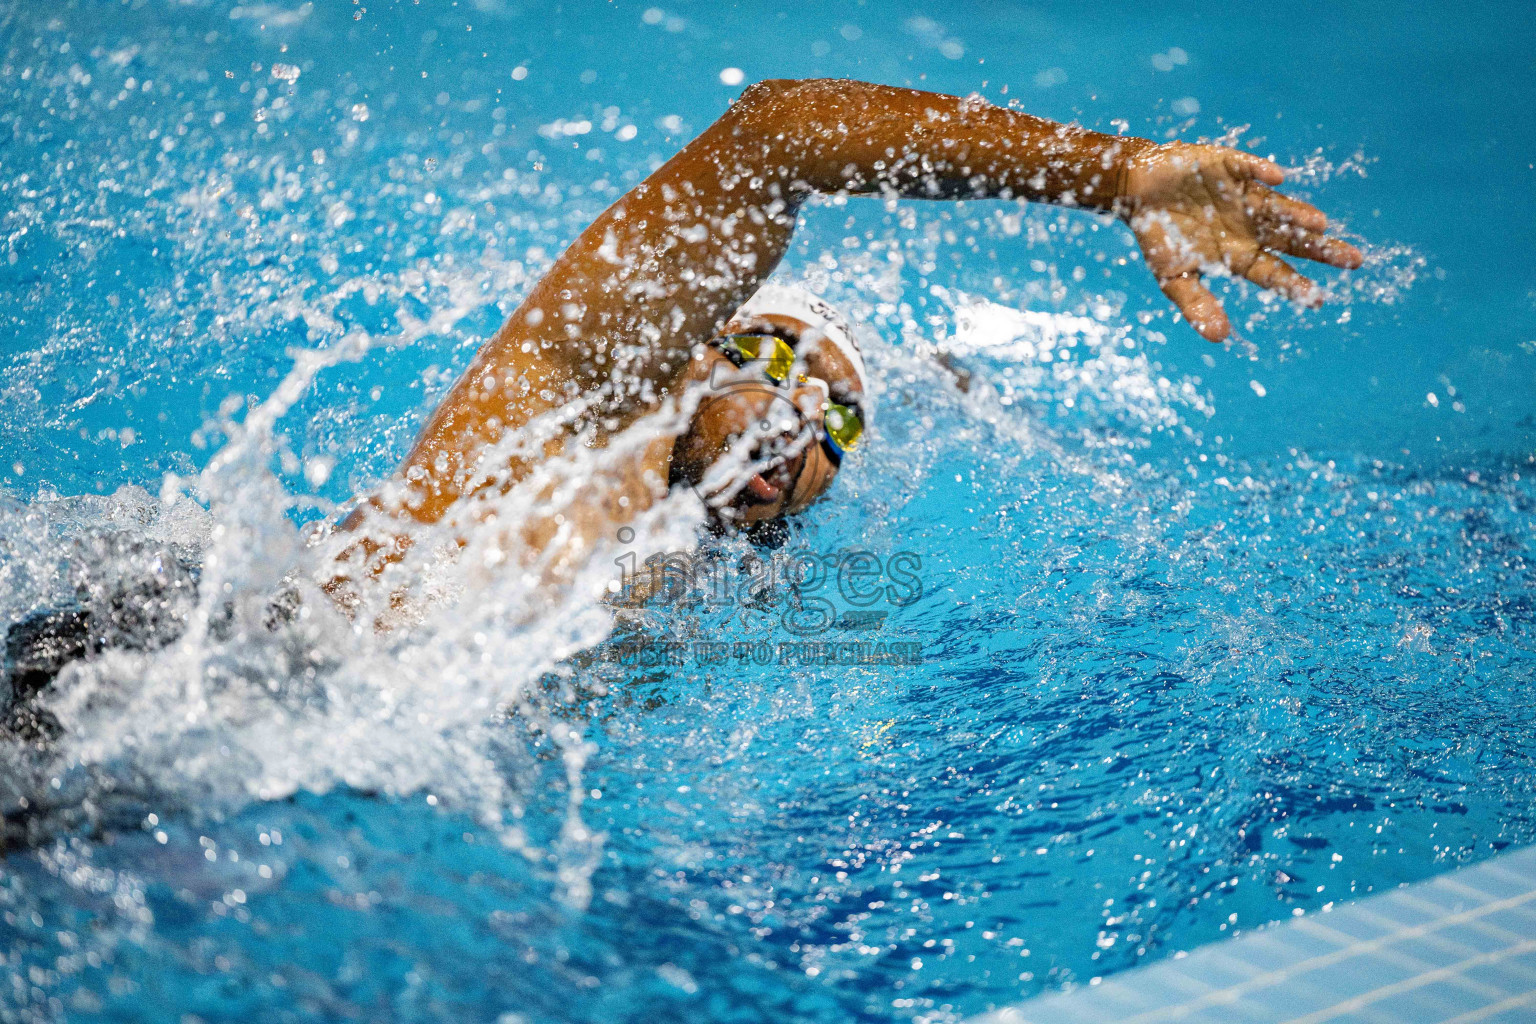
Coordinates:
column 1209, row 636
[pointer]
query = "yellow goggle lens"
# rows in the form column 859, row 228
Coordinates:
column 775, row 351
column 843, row 426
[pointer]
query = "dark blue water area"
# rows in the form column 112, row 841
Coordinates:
column 1173, row 682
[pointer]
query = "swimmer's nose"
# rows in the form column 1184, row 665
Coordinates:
column 811, row 400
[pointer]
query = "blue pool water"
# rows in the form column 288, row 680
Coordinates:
column 1210, row 636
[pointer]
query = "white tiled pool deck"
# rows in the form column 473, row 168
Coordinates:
column 1456, row 949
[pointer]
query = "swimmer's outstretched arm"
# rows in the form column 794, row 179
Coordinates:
column 665, row 267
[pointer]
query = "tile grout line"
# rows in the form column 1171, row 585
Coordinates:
column 1417, row 981
column 1484, row 1012
column 1232, row 993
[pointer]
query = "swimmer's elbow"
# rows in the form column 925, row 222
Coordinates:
column 762, row 102
column 775, row 99
column 758, row 93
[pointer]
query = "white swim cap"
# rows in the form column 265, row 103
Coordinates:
column 806, row 306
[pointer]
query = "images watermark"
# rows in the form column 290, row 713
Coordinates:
column 824, row 604
column 812, row 591
column 650, row 653
column 832, row 607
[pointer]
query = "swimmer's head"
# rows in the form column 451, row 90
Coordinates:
column 785, row 399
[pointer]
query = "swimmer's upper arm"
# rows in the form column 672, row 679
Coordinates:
column 667, row 265
column 614, row 321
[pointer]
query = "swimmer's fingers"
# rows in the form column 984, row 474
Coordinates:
column 1173, row 257
column 1296, row 228
column 1282, row 211
column 1249, row 165
column 1313, row 245
column 1197, row 304
column 1273, row 273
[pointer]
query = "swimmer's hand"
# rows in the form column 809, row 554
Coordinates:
column 1195, row 209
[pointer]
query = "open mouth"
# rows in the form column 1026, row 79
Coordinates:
column 760, row 488
column 773, row 481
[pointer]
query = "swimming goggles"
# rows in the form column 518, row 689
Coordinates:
column 842, row 426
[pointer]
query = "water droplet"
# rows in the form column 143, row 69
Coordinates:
column 318, row 470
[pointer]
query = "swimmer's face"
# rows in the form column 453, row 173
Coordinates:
column 761, row 436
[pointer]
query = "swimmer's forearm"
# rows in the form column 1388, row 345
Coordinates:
column 668, row 263
column 617, row 316
column 828, row 135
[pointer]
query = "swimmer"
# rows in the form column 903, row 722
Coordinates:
column 664, row 297
column 661, row 304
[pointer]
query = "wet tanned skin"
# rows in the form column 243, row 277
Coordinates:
column 621, row 317
column 724, row 417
